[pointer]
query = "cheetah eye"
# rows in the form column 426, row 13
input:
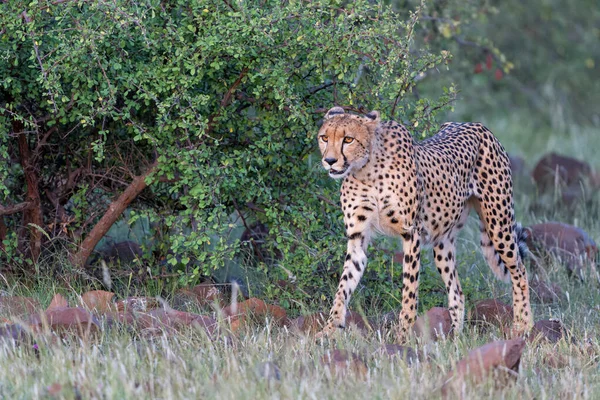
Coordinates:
column 348, row 139
column 324, row 138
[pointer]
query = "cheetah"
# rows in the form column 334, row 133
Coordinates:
column 423, row 192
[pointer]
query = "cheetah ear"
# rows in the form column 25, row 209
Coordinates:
column 334, row 111
column 373, row 115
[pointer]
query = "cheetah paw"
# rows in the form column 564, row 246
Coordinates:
column 327, row 331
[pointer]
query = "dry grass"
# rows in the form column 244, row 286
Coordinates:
column 120, row 364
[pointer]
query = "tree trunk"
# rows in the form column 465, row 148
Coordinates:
column 32, row 215
column 3, row 232
column 111, row 215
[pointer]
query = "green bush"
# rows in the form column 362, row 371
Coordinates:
column 224, row 96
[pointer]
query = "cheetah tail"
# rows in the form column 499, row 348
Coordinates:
column 522, row 235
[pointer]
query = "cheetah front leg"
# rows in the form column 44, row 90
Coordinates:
column 354, row 267
column 411, row 246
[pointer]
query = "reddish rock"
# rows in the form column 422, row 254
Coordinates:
column 58, row 301
column 500, row 359
column 491, row 311
column 139, row 304
column 399, row 258
column 436, row 323
column 361, row 323
column 549, row 330
column 313, row 323
column 15, row 306
column 310, row 324
column 342, row 362
column 566, row 171
column 201, row 295
column 98, row 300
column 173, row 321
column 254, row 309
column 568, row 243
column 404, row 353
column 545, row 293
column 75, row 320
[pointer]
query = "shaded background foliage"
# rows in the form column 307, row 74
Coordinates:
column 212, row 108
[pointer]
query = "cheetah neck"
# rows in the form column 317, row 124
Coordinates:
column 389, row 140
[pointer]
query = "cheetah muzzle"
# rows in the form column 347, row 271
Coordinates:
column 422, row 192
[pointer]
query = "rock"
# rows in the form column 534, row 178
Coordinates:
column 122, row 252
column 313, row 323
column 518, row 167
column 436, row 323
column 121, row 317
column 545, row 293
column 342, row 362
column 570, row 244
column 550, row 330
column 157, row 321
column 310, row 324
column 14, row 333
column 16, row 306
column 98, row 300
column 254, row 309
column 66, row 320
column 491, row 311
column 500, row 359
column 404, row 353
column 565, row 171
column 140, row 304
column 356, row 320
column 58, row 301
column 200, row 295
column 399, row 257
column 268, row 370
column 54, row 390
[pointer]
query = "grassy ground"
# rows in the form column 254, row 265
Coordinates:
column 120, row 364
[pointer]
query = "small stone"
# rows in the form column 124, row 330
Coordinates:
column 342, row 362
column 157, row 321
column 570, row 244
column 551, row 330
column 310, row 324
column 501, row 358
column 435, row 324
column 491, row 312
column 99, row 301
column 404, row 353
column 14, row 333
column 518, row 167
column 566, row 171
column 140, row 304
column 256, row 310
column 58, row 301
column 62, row 320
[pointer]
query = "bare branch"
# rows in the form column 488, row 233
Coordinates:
column 13, row 209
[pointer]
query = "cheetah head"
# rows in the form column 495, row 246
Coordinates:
column 345, row 141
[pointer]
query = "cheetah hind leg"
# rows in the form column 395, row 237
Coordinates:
column 505, row 258
column 444, row 254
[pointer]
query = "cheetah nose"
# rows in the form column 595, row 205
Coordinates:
column 330, row 161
